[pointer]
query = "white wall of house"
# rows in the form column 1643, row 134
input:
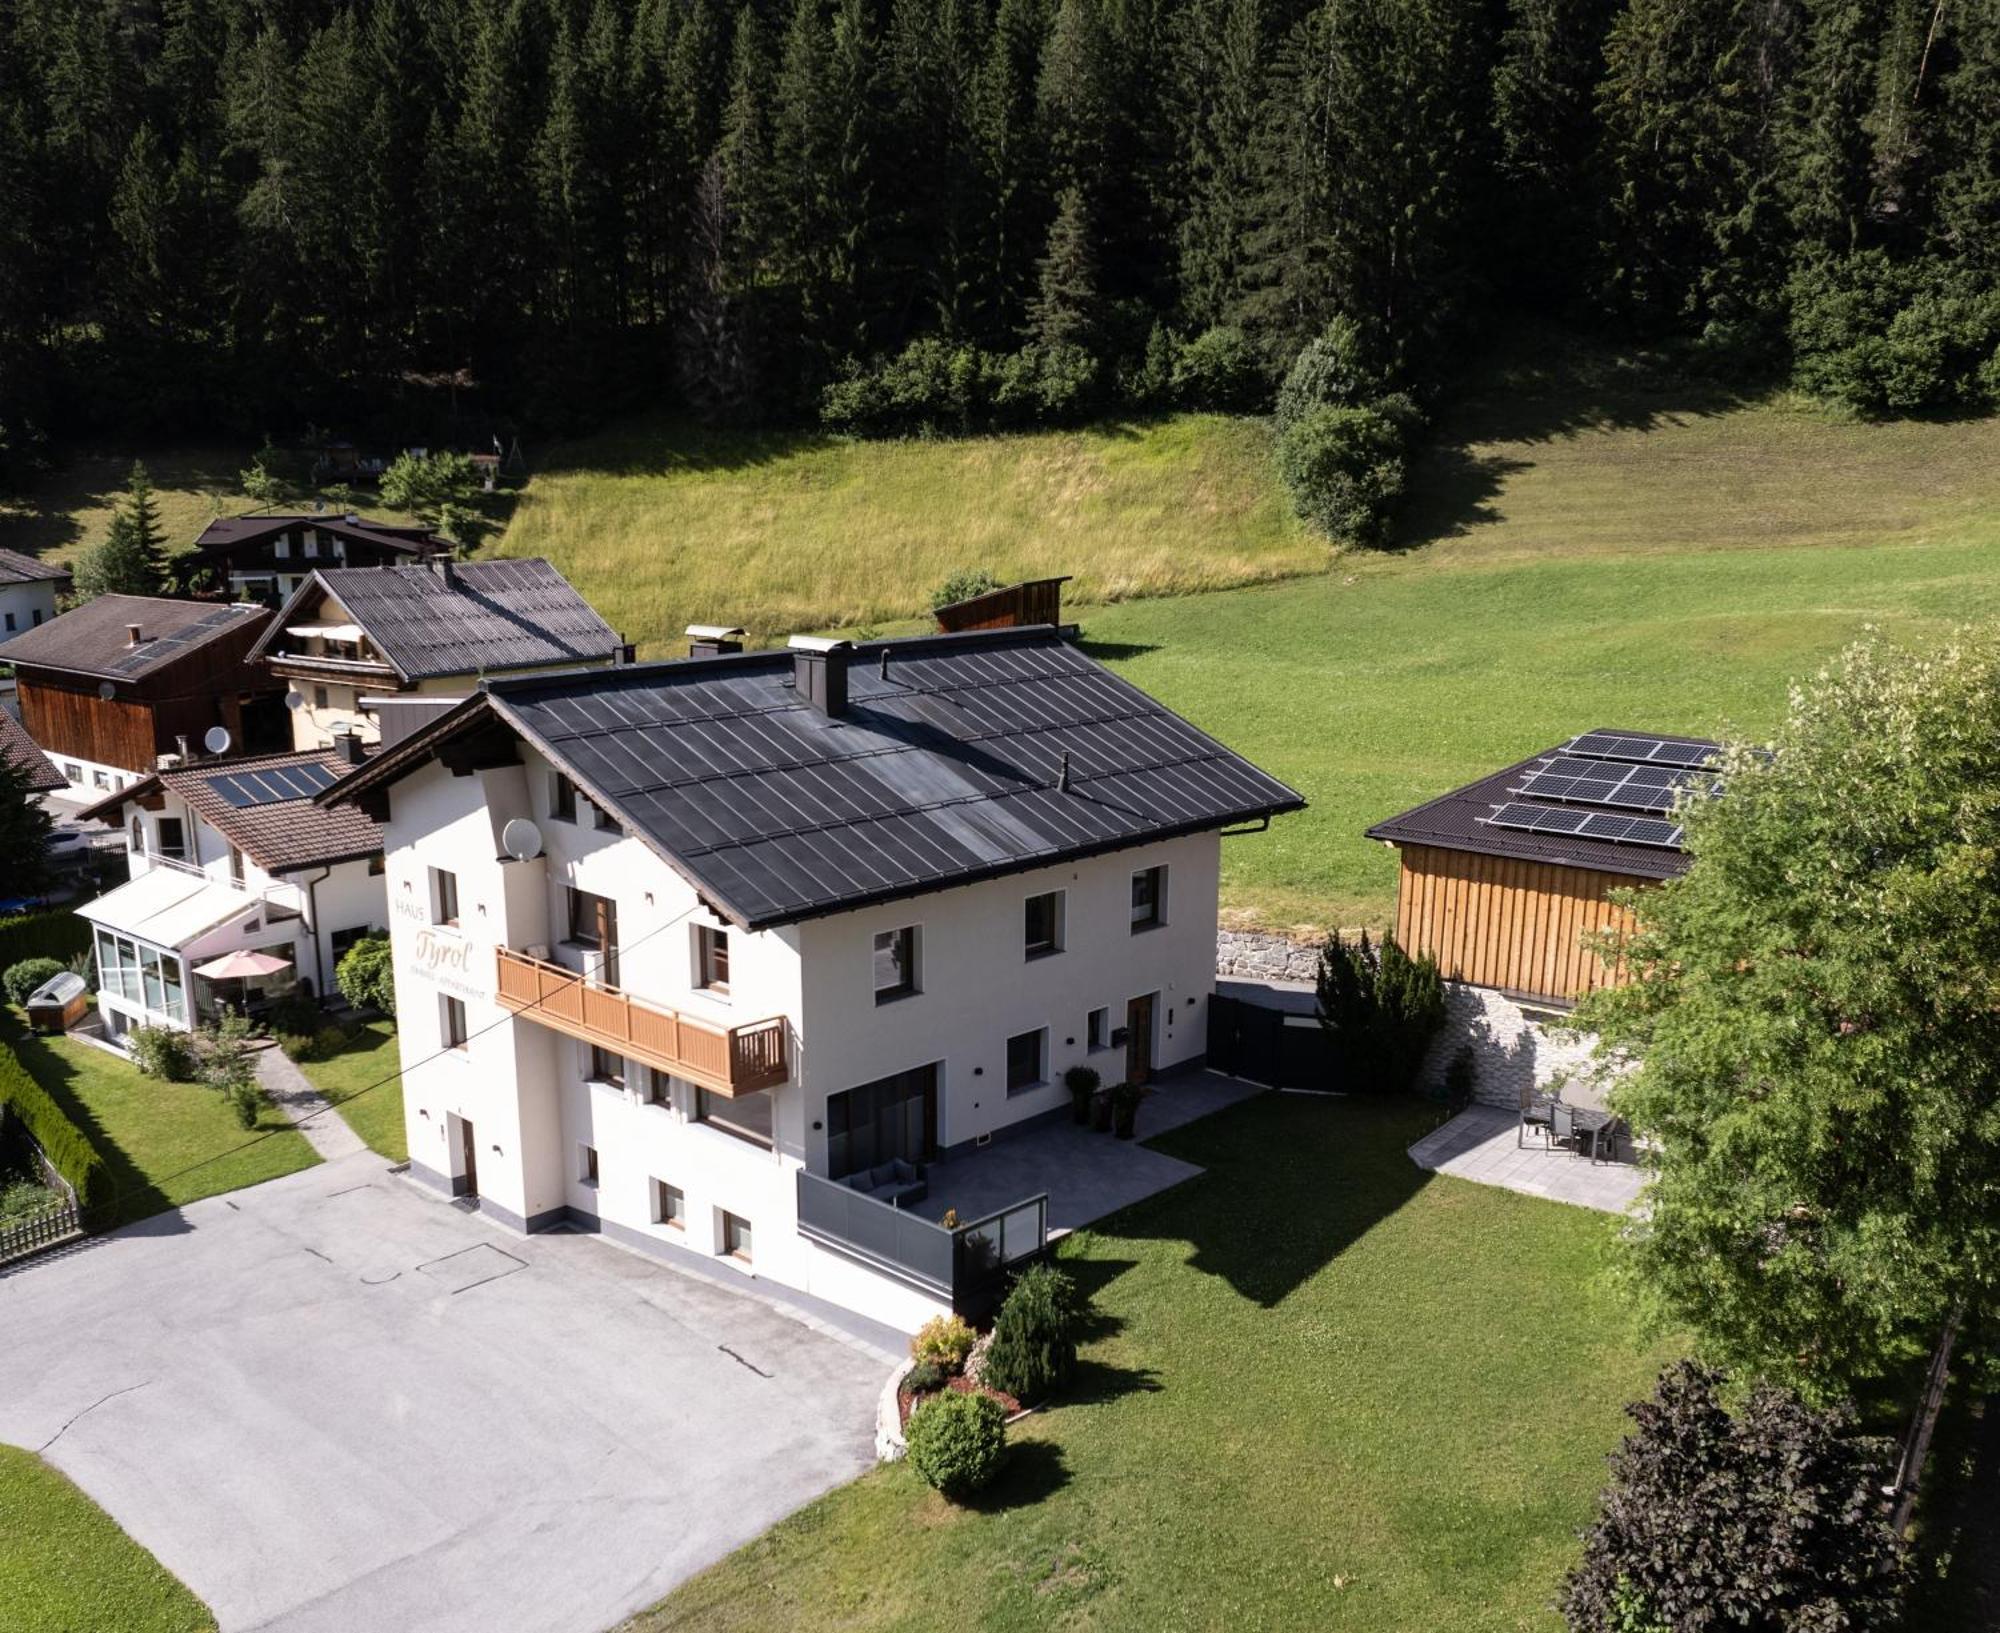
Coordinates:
column 89, row 780
column 538, row 1114
column 23, row 606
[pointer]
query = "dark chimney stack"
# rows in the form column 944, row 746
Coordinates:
column 447, row 574
column 134, row 634
column 713, row 640
column 819, row 672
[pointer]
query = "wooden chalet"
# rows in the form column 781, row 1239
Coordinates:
column 265, row 558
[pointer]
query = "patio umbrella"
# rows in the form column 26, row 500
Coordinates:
column 242, row 966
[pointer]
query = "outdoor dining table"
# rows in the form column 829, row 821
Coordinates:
column 1597, row 1126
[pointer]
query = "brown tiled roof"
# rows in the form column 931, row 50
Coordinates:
column 16, row 568
column 280, row 836
column 92, row 639
column 23, row 753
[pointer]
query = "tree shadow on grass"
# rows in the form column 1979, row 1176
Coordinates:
column 1115, row 651
column 1292, row 1181
column 130, row 1193
column 1034, row 1470
column 42, row 520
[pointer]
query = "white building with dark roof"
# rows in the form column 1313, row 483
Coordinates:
column 265, row 557
column 28, row 590
column 746, row 956
column 381, row 650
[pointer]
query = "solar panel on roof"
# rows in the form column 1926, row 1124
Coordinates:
column 268, row 785
column 1604, row 745
column 1614, row 783
column 1618, row 830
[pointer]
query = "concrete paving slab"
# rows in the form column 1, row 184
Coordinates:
column 1481, row 1144
column 314, row 1431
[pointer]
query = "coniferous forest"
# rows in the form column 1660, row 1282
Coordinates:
column 244, row 214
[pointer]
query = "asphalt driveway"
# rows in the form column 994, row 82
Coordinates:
column 332, row 1402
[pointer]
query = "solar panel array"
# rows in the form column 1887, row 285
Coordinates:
column 271, row 784
column 1616, row 787
column 155, row 650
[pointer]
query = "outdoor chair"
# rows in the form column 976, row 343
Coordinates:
column 1537, row 1109
column 1562, row 1126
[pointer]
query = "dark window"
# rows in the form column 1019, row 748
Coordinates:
column 1149, row 892
column 444, row 895
column 593, row 922
column 138, row 836
column 10, row 623
column 656, row 1086
column 895, row 963
column 36, row 616
column 173, row 838
column 711, row 958
column 605, row 1067
column 605, row 821
column 1097, row 1029
column 451, row 1022
column 747, row 1116
column 1024, row 1061
column 670, row 1205
column 341, row 940
column 235, row 864
column 319, row 697
column 1044, row 927
column 377, row 866
column 881, row 1121
column 588, row 1166
column 562, row 798
column 736, row 1237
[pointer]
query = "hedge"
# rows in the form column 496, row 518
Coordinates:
column 66, row 1146
column 60, row 935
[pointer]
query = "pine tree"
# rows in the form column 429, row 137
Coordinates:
column 1012, row 191
column 132, row 558
column 1220, row 72
column 25, row 829
column 1066, row 308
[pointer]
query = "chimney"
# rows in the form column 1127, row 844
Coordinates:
column 819, row 672
column 349, row 746
column 713, row 640
column 134, row 634
column 447, row 574
column 181, row 743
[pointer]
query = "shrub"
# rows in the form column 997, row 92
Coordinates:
column 366, row 975
column 924, row 1377
column 1219, row 368
column 164, row 1052
column 60, row 934
column 245, row 1102
column 1082, row 1082
column 1034, row 1336
column 1771, row 1518
column 1380, row 1008
column 22, row 978
column 944, row 1340
column 1340, row 368
column 295, row 1015
column 1886, row 336
column 956, row 1441
column 1343, row 468
column 66, row 1146
column 963, row 585
column 227, row 1061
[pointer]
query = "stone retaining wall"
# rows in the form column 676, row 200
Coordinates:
column 1513, row 1045
column 1263, row 955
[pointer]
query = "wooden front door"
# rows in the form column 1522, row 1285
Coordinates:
column 1139, row 1039
column 468, row 1155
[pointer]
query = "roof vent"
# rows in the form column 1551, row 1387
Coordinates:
column 714, row 640
column 352, row 519
column 446, row 572
column 819, row 672
column 1062, row 774
column 134, row 634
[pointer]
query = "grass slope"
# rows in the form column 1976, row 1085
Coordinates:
column 167, row 1144
column 66, row 1567
column 661, row 526
column 72, row 509
column 1327, row 1394
column 370, row 1058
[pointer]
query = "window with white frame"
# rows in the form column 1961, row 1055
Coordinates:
column 736, row 1236
column 172, row 836
column 452, row 1030
column 670, row 1205
column 1042, row 931
column 444, row 896
column 895, row 956
column 586, row 1164
column 606, row 1068
column 1097, row 1029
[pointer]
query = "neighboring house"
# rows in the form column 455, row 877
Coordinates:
column 20, row 751
column 232, row 856
column 265, row 558
column 1502, row 880
column 28, row 591
column 713, row 955
column 111, row 686
column 356, row 642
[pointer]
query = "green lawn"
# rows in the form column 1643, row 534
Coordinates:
column 65, row 1567
column 1326, row 1394
column 377, row 1116
column 166, row 1144
column 661, row 526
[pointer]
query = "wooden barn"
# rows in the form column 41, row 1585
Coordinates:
column 1032, row 601
column 112, row 685
column 1502, row 880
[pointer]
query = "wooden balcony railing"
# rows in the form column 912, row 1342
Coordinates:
column 733, row 1060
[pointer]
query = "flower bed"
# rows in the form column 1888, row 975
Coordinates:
column 907, row 1402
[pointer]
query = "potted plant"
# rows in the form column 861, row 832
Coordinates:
column 1125, row 1108
column 1100, row 1110
column 1081, row 1081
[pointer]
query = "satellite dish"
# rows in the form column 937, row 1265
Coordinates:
column 295, row 701
column 106, row 690
column 216, row 739
column 521, row 839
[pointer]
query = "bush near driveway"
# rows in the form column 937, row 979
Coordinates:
column 68, row 1148
column 957, row 1440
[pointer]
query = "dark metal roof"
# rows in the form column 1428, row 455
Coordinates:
column 944, row 772
column 25, row 755
column 1462, row 821
column 461, row 618
column 92, row 639
column 281, row 835
column 16, row 568
column 227, row 533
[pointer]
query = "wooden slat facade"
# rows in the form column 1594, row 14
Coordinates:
column 1032, row 601
column 1496, row 921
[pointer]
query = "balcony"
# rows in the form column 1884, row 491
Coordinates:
column 734, row 1060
